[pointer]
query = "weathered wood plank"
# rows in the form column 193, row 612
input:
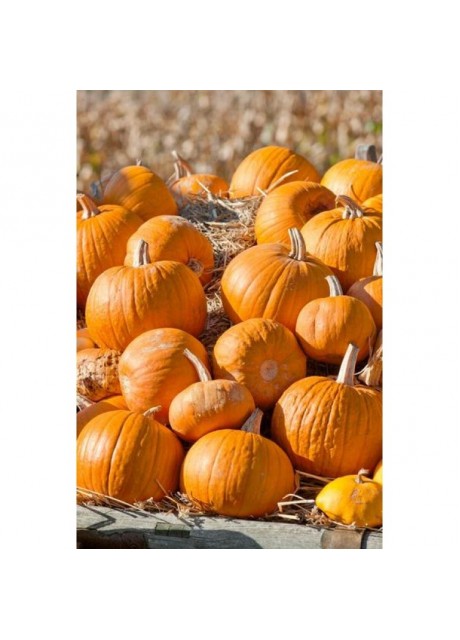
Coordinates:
column 104, row 527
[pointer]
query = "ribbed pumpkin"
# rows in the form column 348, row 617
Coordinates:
column 174, row 238
column 265, row 167
column 97, row 373
column 273, row 281
column 326, row 326
column 261, row 354
column 370, row 290
column 93, row 409
column 330, row 427
column 140, row 190
column 378, row 473
column 153, row 369
column 102, row 234
column 185, row 184
column 344, row 239
column 84, row 340
column 237, row 473
column 352, row 500
column 126, row 301
column 128, row 456
column 374, row 204
column 208, row 405
column 358, row 179
column 290, row 205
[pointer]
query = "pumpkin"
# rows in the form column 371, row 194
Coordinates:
column 97, row 373
column 273, row 281
column 326, row 326
column 126, row 301
column 267, row 167
column 352, row 500
column 372, row 372
column 373, row 204
column 237, row 473
column 174, row 238
column 129, row 456
column 378, row 473
column 358, row 179
column 290, row 205
column 209, row 405
column 84, row 340
column 93, row 409
column 102, row 234
column 153, row 369
column 344, row 239
column 185, row 184
column 370, row 290
column 330, row 427
column 141, row 190
column 261, row 354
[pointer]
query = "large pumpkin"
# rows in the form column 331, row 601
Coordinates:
column 237, row 473
column 128, row 456
column 344, row 239
column 126, row 301
column 330, row 427
column 290, row 205
column 140, row 190
column 153, row 369
column 358, row 179
column 264, row 168
column 187, row 184
column 273, row 281
column 370, row 290
column 261, row 354
column 174, row 238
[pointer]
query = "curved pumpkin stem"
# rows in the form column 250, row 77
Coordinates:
column 181, row 167
column 141, row 254
column 371, row 375
column 360, row 474
column 83, row 403
column 88, row 205
column 347, row 368
column 352, row 209
column 298, row 249
column 150, row 413
column 335, row 288
column 378, row 264
column 252, row 424
column 201, row 370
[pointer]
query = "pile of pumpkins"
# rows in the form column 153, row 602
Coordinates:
column 159, row 413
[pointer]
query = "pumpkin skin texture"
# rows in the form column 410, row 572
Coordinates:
column 126, row 301
column 261, row 354
column 128, row 456
column 358, row 179
column 84, row 340
column 102, row 234
column 352, row 500
column 209, row 405
column 264, row 167
column 326, row 326
column 344, row 239
column 370, row 290
column 140, row 190
column 330, row 427
column 374, row 204
column 237, row 473
column 272, row 281
column 153, row 369
column 174, row 238
column 97, row 373
column 290, row 205
column 95, row 409
column 378, row 473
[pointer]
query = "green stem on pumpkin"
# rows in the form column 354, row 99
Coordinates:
column 335, row 288
column 141, row 254
column 88, row 205
column 201, row 370
column 252, row 424
column 378, row 264
column 347, row 368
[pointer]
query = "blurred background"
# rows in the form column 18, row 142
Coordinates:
column 215, row 130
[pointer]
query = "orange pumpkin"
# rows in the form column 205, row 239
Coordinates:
column 174, row 238
column 84, row 340
column 266, row 167
column 370, row 290
column 358, row 179
column 153, row 369
column 93, row 409
column 273, row 281
column 126, row 301
column 288, row 206
column 237, row 473
column 97, row 373
column 330, row 427
column 261, row 354
column 186, row 184
column 378, row 473
column 373, row 204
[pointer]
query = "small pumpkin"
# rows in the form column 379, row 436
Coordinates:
column 370, row 290
column 126, row 301
column 84, row 340
column 208, row 405
column 90, row 409
column 185, row 184
column 330, row 427
column 261, row 354
column 326, row 326
column 129, row 456
column 352, row 500
column 358, row 179
column 237, row 473
column 266, row 167
column 141, row 190
column 174, row 238
column 97, row 373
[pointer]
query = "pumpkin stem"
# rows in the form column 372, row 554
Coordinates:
column 201, row 370
column 280, row 180
column 352, row 209
column 196, row 266
column 139, row 163
column 181, row 167
column 335, row 288
column 252, row 424
column 371, row 375
column 150, row 413
column 378, row 264
column 83, row 403
column 88, row 205
column 366, row 152
column 141, row 254
column 347, row 368
column 298, row 249
column 360, row 474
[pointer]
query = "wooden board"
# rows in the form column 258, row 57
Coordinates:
column 106, row 528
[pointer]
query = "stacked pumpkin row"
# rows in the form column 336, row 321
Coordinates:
column 141, row 287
